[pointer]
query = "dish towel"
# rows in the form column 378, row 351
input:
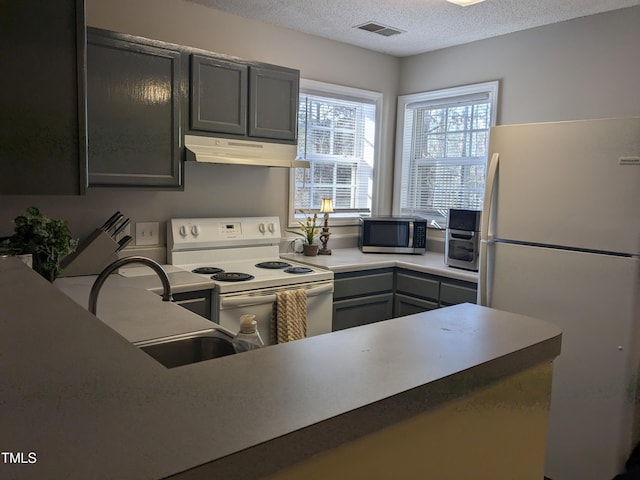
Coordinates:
column 289, row 316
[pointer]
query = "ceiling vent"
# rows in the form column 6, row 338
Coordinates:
column 380, row 29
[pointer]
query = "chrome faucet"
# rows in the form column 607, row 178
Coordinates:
column 97, row 285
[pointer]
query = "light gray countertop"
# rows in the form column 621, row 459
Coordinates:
column 352, row 259
column 129, row 307
column 91, row 405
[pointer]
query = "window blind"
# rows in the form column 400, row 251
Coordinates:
column 337, row 136
column 444, row 152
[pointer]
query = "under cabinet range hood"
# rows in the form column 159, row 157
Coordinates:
column 242, row 152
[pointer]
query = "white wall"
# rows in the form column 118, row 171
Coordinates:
column 583, row 68
column 219, row 190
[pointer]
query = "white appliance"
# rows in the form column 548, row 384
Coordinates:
column 241, row 255
column 561, row 242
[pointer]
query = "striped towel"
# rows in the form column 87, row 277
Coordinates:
column 289, row 316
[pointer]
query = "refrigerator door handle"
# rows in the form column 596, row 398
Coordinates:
column 483, row 275
column 489, row 193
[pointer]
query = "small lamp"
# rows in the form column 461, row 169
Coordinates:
column 326, row 207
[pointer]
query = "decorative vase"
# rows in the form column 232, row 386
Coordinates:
column 40, row 265
column 310, row 250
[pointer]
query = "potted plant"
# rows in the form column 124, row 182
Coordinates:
column 46, row 239
column 308, row 230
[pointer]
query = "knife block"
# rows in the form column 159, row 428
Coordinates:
column 93, row 254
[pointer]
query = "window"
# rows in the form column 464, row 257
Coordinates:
column 442, row 149
column 337, row 130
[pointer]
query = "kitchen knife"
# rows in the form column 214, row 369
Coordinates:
column 109, row 223
column 120, row 228
column 112, row 227
column 124, row 241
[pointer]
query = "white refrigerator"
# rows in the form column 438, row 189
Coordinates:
column 560, row 241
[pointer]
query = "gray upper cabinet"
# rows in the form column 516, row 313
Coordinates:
column 218, row 100
column 134, row 94
column 42, row 126
column 243, row 99
column 273, row 102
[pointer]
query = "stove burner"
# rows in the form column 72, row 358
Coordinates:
column 207, row 270
column 273, row 265
column 298, row 270
column 231, row 277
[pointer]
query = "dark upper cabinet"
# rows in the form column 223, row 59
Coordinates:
column 218, row 95
column 42, row 126
column 133, row 103
column 245, row 99
column 273, row 102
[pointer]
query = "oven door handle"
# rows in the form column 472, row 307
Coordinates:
column 247, row 300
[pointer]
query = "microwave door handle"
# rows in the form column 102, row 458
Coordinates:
column 410, row 245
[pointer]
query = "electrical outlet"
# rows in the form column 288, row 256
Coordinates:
column 147, row 233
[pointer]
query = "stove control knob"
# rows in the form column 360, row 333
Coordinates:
column 272, row 227
column 183, row 231
column 261, row 227
column 195, row 230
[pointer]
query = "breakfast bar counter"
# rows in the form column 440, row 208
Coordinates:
column 432, row 395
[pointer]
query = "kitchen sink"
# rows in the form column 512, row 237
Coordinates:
column 178, row 351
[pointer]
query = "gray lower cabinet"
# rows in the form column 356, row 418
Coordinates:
column 369, row 296
column 244, row 99
column 415, row 293
column 362, row 297
column 459, row 292
column 42, row 126
column 418, row 292
column 406, row 305
column 133, row 101
column 198, row 302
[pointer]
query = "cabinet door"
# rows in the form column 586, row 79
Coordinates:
column 42, row 126
column 219, row 91
column 198, row 302
column 133, row 90
column 453, row 294
column 361, row 311
column 406, row 305
column 273, row 103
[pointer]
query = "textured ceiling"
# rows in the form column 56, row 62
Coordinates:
column 426, row 24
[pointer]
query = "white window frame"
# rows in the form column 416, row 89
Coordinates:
column 349, row 93
column 444, row 95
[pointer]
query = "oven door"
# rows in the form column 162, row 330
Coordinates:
column 229, row 307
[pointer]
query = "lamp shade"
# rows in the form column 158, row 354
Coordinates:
column 465, row 3
column 327, row 205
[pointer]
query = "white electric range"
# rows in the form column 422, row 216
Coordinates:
column 242, row 256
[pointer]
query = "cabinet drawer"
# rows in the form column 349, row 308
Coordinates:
column 363, row 285
column 417, row 286
column 454, row 294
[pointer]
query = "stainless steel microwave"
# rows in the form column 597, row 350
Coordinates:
column 393, row 235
